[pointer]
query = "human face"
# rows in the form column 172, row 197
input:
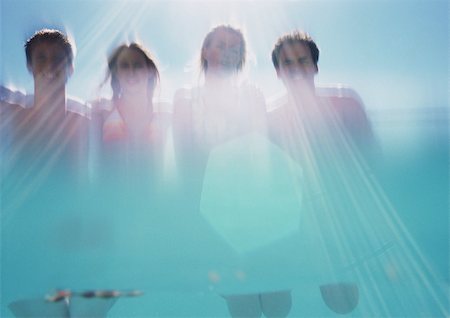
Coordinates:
column 49, row 64
column 132, row 71
column 223, row 52
column 296, row 66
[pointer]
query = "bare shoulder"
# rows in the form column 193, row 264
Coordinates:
column 337, row 90
column 9, row 109
column 11, row 102
column 344, row 100
column 12, row 99
column 340, row 94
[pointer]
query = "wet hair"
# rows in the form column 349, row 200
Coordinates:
column 209, row 37
column 112, row 67
column 52, row 36
column 291, row 38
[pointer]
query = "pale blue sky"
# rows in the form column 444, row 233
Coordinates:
column 394, row 53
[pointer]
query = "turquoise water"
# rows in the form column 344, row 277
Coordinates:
column 237, row 225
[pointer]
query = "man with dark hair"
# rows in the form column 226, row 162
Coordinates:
column 49, row 57
column 47, row 119
column 292, row 39
column 328, row 133
column 44, row 131
column 295, row 58
column 51, row 36
column 44, row 168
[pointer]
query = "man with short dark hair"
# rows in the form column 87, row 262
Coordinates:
column 47, row 119
column 49, row 57
column 296, row 45
column 295, row 58
column 44, row 170
column 328, row 133
column 51, row 36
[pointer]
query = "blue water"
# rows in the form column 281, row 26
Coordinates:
column 140, row 227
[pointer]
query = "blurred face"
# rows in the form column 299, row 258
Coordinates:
column 296, row 66
column 132, row 71
column 223, row 52
column 49, row 64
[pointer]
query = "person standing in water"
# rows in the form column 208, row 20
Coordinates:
column 131, row 114
column 130, row 134
column 44, row 165
column 128, row 127
column 47, row 120
column 220, row 111
column 222, row 108
column 332, row 139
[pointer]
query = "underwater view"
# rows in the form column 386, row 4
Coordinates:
column 224, row 158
